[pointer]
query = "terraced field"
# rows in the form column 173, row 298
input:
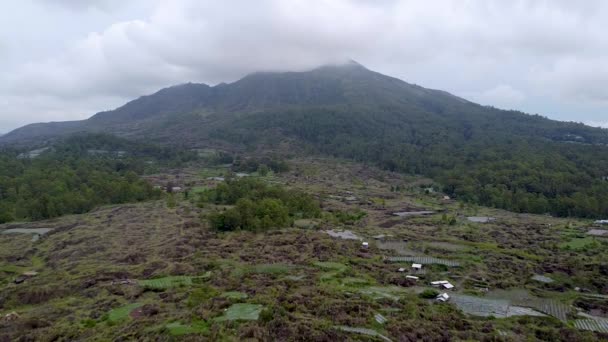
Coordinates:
column 592, row 325
column 425, row 260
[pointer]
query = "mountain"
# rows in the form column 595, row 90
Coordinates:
column 480, row 154
column 194, row 108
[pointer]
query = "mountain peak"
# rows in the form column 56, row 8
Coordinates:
column 350, row 64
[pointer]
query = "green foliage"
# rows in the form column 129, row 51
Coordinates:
column 201, row 295
column 171, row 200
column 234, row 295
column 429, row 294
column 169, row 282
column 56, row 184
column 480, row 155
column 179, row 329
column 448, row 219
column 330, row 265
column 258, row 206
column 348, row 217
column 264, row 164
column 122, row 313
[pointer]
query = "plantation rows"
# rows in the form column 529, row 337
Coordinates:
column 592, row 325
column 363, row 331
column 550, row 307
column 424, row 260
column 481, row 306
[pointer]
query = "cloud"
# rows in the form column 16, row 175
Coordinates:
column 79, row 5
column 603, row 124
column 549, row 51
column 503, row 96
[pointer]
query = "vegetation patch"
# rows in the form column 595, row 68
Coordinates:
column 235, row 295
column 122, row 313
column 275, row 269
column 330, row 265
column 179, row 329
column 171, row 281
column 579, row 243
column 257, row 205
column 241, row 312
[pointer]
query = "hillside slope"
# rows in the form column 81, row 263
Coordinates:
column 500, row 158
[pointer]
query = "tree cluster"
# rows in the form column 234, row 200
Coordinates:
column 257, row 206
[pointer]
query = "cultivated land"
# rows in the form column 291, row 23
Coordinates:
column 157, row 271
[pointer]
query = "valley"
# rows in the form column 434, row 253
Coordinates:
column 158, row 270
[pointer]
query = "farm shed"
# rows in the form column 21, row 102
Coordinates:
column 444, row 297
column 442, row 283
column 417, row 266
column 412, row 277
column 219, row 179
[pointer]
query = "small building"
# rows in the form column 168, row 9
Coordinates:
column 438, row 283
column 401, row 269
column 414, row 278
column 241, row 174
column 417, row 267
column 442, row 283
column 446, row 198
column 219, row 179
column 176, row 189
column 365, row 245
column 601, row 222
column 444, row 297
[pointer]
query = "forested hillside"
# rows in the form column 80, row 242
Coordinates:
column 77, row 174
column 514, row 165
column 499, row 158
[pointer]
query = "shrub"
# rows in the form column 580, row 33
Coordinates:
column 429, row 294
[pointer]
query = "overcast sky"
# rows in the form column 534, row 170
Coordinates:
column 68, row 59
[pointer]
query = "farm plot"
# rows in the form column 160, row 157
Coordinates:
column 383, row 292
column 363, row 331
column 241, row 312
column 399, row 247
column 179, row 329
column 481, row 306
column 424, row 260
column 549, row 306
column 122, row 313
column 592, row 325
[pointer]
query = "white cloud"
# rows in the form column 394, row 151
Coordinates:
column 502, row 96
column 603, row 124
column 550, row 51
